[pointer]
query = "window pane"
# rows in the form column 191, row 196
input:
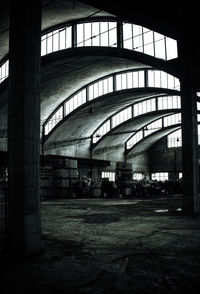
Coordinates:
column 159, row 46
column 91, row 92
column 109, row 175
column 110, row 84
column 135, row 79
column 138, row 43
column 3, row 70
column 96, row 92
column 112, row 34
column 127, row 31
column 76, row 101
column 100, row 88
column 105, row 86
column 112, row 25
column 137, row 30
column 88, row 34
column 123, row 81
column 172, row 119
column 130, row 80
column 174, row 139
column 137, row 38
column 67, row 111
column 171, row 45
column 171, row 84
column 80, row 35
column 43, row 47
column 71, row 108
column 151, row 79
column 127, row 36
column 128, row 44
column 157, row 78
column 69, row 37
column 95, row 34
column 164, row 83
column 62, row 39
column 148, row 43
column 83, row 92
column 104, row 33
column 104, row 27
column 162, row 176
column 138, row 176
column 141, row 79
column 49, row 43
column 118, row 82
column 55, row 41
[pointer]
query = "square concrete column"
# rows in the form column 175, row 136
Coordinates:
column 24, row 229
column 190, row 164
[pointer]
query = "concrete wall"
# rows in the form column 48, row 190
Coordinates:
column 159, row 158
column 80, row 149
column 115, row 155
column 140, row 163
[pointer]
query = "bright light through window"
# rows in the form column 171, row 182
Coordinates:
column 138, row 176
column 174, row 139
column 97, row 34
column 109, row 175
column 142, row 39
column 161, row 176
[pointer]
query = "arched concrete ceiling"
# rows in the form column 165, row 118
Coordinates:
column 60, row 11
column 166, row 19
column 148, row 141
column 83, row 122
column 54, row 12
column 65, row 72
column 119, row 135
column 171, row 19
column 62, row 76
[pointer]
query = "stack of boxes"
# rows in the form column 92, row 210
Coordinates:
column 58, row 176
column 124, row 178
column 65, row 175
column 61, row 182
column 46, row 180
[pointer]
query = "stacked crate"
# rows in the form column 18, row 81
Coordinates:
column 46, row 181
column 65, row 175
column 72, row 166
column 124, row 176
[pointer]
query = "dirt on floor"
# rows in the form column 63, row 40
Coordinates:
column 110, row 246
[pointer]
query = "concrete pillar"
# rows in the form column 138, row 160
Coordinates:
column 190, row 165
column 24, row 232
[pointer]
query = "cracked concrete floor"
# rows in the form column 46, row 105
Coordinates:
column 111, row 246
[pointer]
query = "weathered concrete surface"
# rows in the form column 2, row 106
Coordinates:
column 121, row 133
column 53, row 12
column 148, row 142
column 111, row 246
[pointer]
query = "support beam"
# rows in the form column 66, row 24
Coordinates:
column 24, row 232
column 190, row 165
